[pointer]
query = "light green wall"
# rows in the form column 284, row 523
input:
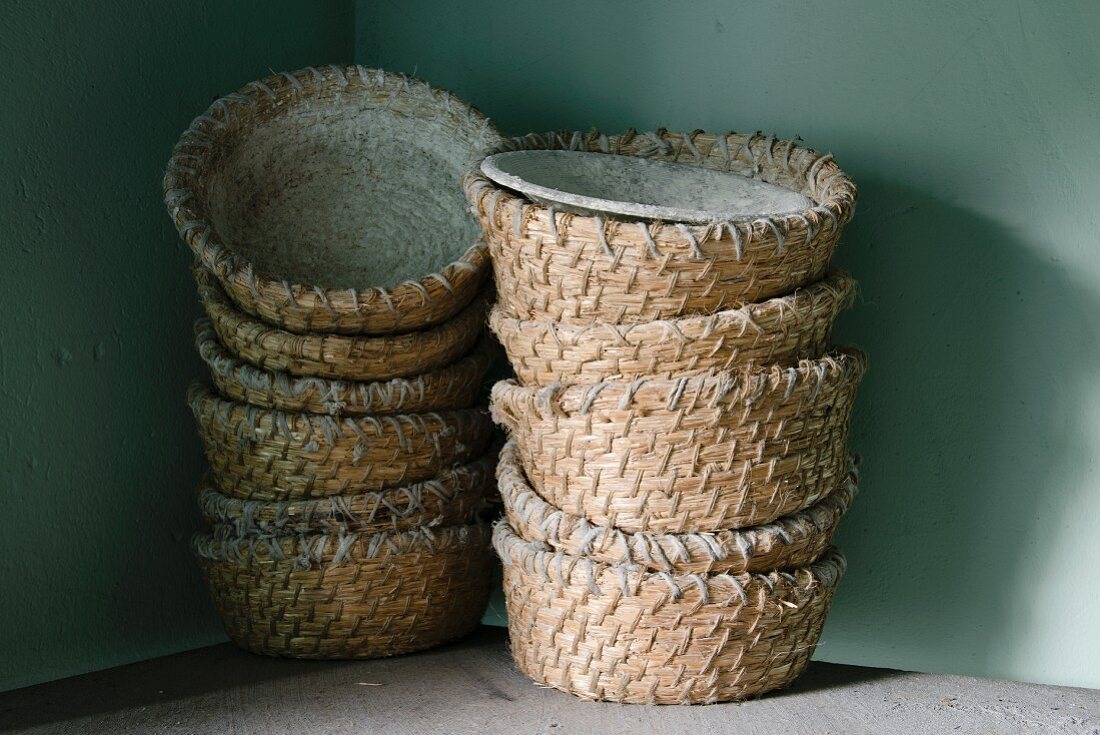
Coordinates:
column 972, row 129
column 99, row 451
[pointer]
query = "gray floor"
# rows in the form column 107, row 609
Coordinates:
column 472, row 687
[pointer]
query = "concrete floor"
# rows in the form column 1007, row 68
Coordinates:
column 472, row 687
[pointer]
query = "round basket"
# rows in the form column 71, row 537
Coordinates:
column 454, row 386
column 338, row 356
column 259, row 454
column 689, row 455
column 779, row 330
column 559, row 266
column 329, row 199
column 452, row 497
column 791, row 541
column 351, row 595
column 623, row 634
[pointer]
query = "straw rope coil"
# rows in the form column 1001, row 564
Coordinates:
column 779, row 330
column 454, row 386
column 688, row 455
column 558, row 266
column 452, row 497
column 791, row 541
column 337, row 356
column 347, row 595
column 259, row 454
column 620, row 633
column 301, row 190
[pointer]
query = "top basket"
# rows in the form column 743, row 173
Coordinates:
column 568, row 267
column 301, row 190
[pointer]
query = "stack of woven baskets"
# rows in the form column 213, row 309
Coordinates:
column 678, row 457
column 348, row 459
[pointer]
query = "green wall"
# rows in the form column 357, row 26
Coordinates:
column 971, row 127
column 99, row 451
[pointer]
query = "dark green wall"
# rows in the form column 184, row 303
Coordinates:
column 100, row 453
column 971, row 127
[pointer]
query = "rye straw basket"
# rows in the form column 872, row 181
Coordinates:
column 791, row 541
column 337, row 356
column 303, row 190
column 452, row 497
column 558, row 266
column 688, row 455
column 348, row 596
column 259, row 454
column 780, row 330
column 453, row 386
column 620, row 633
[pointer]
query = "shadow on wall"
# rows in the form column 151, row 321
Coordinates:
column 968, row 428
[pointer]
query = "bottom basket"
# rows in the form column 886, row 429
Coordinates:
column 620, row 633
column 347, row 596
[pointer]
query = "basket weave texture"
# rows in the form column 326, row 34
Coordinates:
column 275, row 183
column 791, row 541
column 556, row 266
column 689, row 455
column 780, row 330
column 259, row 454
column 337, row 356
column 452, row 497
column 347, row 595
column 452, row 386
column 620, row 633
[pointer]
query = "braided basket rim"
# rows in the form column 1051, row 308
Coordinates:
column 561, row 569
column 332, row 548
column 825, row 183
column 203, row 400
column 820, row 301
column 747, row 385
column 535, row 519
column 426, row 350
column 253, row 517
column 836, row 286
column 336, row 396
column 409, row 305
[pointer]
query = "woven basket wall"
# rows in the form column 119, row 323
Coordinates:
column 258, row 454
column 452, row 497
column 792, row 541
column 689, row 455
column 349, row 596
column 453, row 386
column 780, row 331
column 296, row 189
column 615, row 632
column 555, row 266
column 338, row 356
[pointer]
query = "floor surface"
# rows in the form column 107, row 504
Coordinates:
column 472, row 687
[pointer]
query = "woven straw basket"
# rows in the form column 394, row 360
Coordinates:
column 348, row 596
column 453, row 497
column 792, row 541
column 689, row 455
column 258, row 454
column 557, row 266
column 277, row 190
column 338, row 356
column 453, row 386
column 616, row 632
column 780, row 330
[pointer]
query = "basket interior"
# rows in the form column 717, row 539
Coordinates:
column 640, row 187
column 346, row 191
